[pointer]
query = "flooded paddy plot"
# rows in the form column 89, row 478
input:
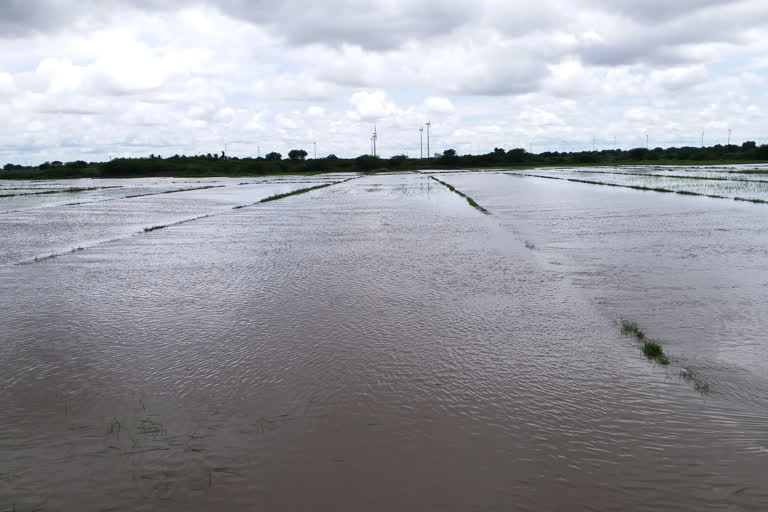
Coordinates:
column 377, row 344
column 721, row 183
column 692, row 270
column 16, row 196
column 43, row 229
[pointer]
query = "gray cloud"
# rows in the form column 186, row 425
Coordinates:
column 657, row 11
column 375, row 25
column 649, row 32
column 371, row 25
column 192, row 74
column 663, row 33
column 19, row 17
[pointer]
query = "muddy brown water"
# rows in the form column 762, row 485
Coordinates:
column 380, row 345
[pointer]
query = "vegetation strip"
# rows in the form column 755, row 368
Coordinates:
column 112, row 198
column 273, row 163
column 675, row 176
column 654, row 351
column 698, row 383
column 149, row 229
column 648, row 189
column 38, row 259
column 294, row 193
column 173, row 191
column 651, row 349
column 471, row 201
column 72, row 190
column 163, row 226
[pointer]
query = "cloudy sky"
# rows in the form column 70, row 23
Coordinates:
column 93, row 79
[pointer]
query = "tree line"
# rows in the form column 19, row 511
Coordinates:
column 296, row 162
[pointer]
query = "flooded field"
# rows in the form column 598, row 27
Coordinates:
column 381, row 344
column 739, row 182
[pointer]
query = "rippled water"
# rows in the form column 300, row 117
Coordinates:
column 725, row 181
column 380, row 345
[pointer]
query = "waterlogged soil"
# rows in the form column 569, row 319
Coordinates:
column 379, row 344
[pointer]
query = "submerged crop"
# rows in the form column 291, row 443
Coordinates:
column 471, row 201
column 651, row 349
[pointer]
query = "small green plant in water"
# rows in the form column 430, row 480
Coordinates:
column 652, row 349
column 698, row 384
column 701, row 387
column 148, row 426
column 114, row 426
column 628, row 327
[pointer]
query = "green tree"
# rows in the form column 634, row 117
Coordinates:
column 398, row 161
column 274, row 155
column 516, row 155
column 367, row 162
column 297, row 154
column 449, row 157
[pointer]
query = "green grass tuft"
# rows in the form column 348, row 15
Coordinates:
column 652, row 350
column 114, row 427
column 629, row 327
column 698, row 383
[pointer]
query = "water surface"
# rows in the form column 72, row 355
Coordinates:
column 379, row 345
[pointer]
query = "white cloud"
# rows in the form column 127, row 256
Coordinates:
column 7, row 84
column 193, row 76
column 315, row 111
column 225, row 115
column 440, row 106
column 371, row 106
